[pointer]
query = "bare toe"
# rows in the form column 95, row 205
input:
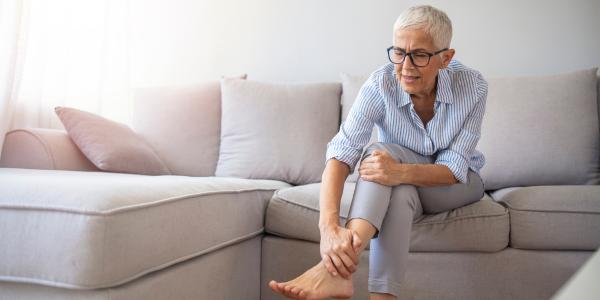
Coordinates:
column 288, row 290
column 273, row 285
column 281, row 286
column 295, row 290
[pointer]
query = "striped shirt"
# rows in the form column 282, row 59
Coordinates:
column 451, row 134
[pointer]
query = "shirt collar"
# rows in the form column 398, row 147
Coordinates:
column 444, row 89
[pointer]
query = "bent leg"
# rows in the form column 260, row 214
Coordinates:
column 375, row 203
column 436, row 199
column 371, row 199
column 389, row 252
column 392, row 211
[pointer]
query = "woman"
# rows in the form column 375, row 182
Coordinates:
column 428, row 109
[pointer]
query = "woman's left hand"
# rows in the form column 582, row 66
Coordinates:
column 382, row 168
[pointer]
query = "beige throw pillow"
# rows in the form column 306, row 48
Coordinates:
column 109, row 145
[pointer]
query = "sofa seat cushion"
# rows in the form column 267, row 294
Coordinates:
column 88, row 230
column 561, row 217
column 482, row 226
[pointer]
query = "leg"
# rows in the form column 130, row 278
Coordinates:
column 393, row 216
column 437, row 199
column 389, row 251
column 372, row 204
column 317, row 282
column 371, row 199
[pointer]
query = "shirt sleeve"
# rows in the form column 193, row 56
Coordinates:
column 355, row 132
column 457, row 156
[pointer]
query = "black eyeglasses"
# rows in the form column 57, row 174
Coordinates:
column 418, row 58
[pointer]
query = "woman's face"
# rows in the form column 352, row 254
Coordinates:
column 419, row 81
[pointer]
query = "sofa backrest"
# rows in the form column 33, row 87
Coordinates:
column 182, row 123
column 537, row 129
column 523, row 144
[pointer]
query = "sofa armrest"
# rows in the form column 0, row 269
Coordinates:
column 41, row 148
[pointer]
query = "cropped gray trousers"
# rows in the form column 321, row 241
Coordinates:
column 393, row 209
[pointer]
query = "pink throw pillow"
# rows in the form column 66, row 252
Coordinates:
column 109, row 145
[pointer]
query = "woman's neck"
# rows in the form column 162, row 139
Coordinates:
column 425, row 97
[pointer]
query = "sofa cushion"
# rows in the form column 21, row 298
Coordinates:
column 89, row 230
column 541, row 130
column 553, row 217
column 351, row 85
column 109, row 145
column 276, row 131
column 482, row 226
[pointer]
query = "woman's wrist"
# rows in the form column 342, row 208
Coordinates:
column 402, row 173
column 328, row 220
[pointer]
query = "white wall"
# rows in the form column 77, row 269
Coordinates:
column 186, row 41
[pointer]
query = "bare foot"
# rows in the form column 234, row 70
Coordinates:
column 315, row 283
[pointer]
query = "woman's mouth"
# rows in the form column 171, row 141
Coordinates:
column 410, row 79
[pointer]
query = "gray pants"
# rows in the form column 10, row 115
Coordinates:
column 392, row 210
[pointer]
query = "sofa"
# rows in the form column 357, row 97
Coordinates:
column 240, row 205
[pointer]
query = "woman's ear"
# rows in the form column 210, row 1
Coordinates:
column 447, row 57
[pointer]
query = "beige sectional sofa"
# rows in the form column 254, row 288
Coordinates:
column 71, row 231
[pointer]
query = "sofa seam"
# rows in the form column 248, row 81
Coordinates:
column 127, row 208
column 424, row 223
column 552, row 211
column 461, row 219
column 131, row 278
column 42, row 142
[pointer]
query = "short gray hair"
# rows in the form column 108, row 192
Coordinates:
column 434, row 21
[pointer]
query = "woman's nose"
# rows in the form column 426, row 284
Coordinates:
column 409, row 66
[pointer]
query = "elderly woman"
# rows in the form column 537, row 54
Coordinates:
column 429, row 110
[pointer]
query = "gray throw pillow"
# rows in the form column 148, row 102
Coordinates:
column 541, row 130
column 276, row 131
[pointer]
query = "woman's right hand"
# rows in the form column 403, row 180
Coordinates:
column 339, row 247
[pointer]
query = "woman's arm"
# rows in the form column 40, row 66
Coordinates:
column 332, row 186
column 382, row 168
column 338, row 244
column 425, row 175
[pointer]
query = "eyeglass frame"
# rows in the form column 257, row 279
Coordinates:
column 410, row 54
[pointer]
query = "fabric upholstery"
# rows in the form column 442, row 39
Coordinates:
column 41, row 148
column 88, row 230
column 182, row 123
column 481, row 226
column 509, row 274
column 286, row 138
column 110, row 145
column 209, row 276
column 541, row 130
column 553, row 217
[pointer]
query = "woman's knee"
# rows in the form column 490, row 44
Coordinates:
column 375, row 146
column 406, row 196
column 387, row 147
column 400, row 153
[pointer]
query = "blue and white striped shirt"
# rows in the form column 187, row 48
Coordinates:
column 451, row 134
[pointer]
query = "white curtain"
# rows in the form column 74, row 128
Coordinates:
column 63, row 53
